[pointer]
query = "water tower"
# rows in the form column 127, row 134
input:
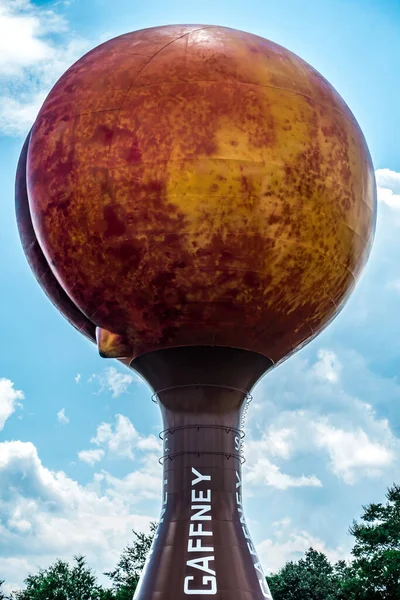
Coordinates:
column 200, row 203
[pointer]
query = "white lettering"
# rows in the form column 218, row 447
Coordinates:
column 264, row 588
column 245, row 532
column 199, row 530
column 195, row 542
column 241, row 513
column 251, row 548
column 257, row 565
column 201, row 564
column 211, row 591
column 201, row 497
column 165, row 501
column 198, row 547
column 200, row 477
column 199, row 515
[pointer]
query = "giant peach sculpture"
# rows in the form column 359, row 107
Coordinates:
column 200, row 202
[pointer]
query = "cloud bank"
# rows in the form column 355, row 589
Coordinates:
column 36, row 47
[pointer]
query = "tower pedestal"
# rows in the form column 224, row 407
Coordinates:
column 202, row 546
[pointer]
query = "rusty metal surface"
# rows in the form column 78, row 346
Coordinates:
column 36, row 258
column 197, row 185
column 202, row 518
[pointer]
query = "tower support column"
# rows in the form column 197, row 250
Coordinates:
column 202, row 546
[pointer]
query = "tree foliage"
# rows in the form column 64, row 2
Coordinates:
column 126, row 575
column 63, row 582
column 311, row 578
column 2, row 593
column 373, row 573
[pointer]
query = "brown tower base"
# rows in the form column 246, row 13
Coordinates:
column 202, row 546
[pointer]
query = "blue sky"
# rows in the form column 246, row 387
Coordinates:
column 78, row 435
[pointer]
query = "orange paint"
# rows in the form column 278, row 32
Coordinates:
column 197, row 185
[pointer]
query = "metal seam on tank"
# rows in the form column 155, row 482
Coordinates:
column 312, row 330
column 305, row 322
column 374, row 203
column 236, row 82
column 235, row 270
column 133, row 83
column 304, row 338
column 193, row 195
column 230, row 159
column 197, row 302
column 359, row 210
column 92, row 315
column 121, row 52
column 147, row 232
column 289, row 242
column 186, row 51
column 352, row 120
column 38, row 275
column 103, row 45
column 212, row 158
column 35, row 242
column 207, row 302
column 349, row 118
column 204, row 158
column 188, row 303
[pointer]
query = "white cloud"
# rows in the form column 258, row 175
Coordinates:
column 120, row 440
column 260, row 470
column 114, row 381
column 310, row 410
column 33, row 55
column 328, row 366
column 91, row 457
column 78, row 378
column 123, row 439
column 388, row 187
column 18, row 114
column 278, row 441
column 264, row 472
column 149, row 444
column 352, row 452
column 288, row 544
column 12, row 567
column 143, row 483
column 9, row 398
column 23, row 30
column 62, row 417
column 388, row 178
column 46, row 514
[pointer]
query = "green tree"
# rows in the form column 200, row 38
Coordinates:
column 126, row 574
column 374, row 573
column 311, row 578
column 2, row 593
column 63, row 582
